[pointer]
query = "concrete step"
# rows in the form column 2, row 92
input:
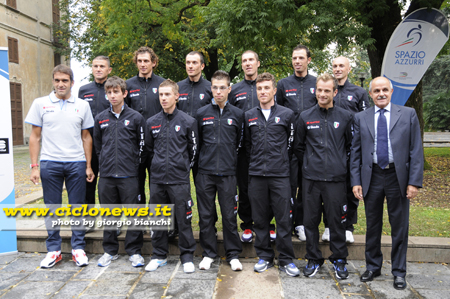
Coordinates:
column 420, row 249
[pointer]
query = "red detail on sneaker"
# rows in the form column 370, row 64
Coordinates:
column 58, row 258
column 248, row 231
column 272, row 232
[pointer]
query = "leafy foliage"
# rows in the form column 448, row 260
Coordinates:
column 437, row 112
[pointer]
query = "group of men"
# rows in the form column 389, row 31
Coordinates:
column 298, row 149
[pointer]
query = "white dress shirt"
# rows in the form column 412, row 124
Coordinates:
column 387, row 114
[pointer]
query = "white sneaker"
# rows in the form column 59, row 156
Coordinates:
column 106, row 259
column 300, row 232
column 326, row 235
column 205, row 264
column 51, row 259
column 79, row 257
column 349, row 237
column 136, row 260
column 189, row 267
column 154, row 264
column 236, row 265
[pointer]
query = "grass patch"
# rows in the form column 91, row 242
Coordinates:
column 443, row 152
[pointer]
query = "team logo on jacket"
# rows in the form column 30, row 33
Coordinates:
column 201, row 96
column 349, row 98
column 311, row 90
column 230, row 121
column 336, row 124
column 177, row 128
column 126, row 122
column 277, row 119
column 155, row 90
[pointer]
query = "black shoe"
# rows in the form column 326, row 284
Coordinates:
column 340, row 269
column 118, row 231
column 399, row 283
column 369, row 275
column 312, row 268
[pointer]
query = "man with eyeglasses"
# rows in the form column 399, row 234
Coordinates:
column 220, row 132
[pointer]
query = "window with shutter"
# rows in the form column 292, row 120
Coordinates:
column 11, row 3
column 16, row 112
column 13, row 50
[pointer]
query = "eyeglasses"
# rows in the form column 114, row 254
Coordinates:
column 219, row 87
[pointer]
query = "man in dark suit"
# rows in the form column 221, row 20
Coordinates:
column 386, row 163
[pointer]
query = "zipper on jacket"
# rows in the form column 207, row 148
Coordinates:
column 302, row 99
column 115, row 163
column 265, row 141
column 192, row 100
column 96, row 101
column 326, row 141
column 250, row 105
column 167, row 151
column 219, row 128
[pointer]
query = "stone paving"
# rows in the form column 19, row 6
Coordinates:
column 21, row 277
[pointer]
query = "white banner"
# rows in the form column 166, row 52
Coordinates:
column 8, row 238
column 412, row 48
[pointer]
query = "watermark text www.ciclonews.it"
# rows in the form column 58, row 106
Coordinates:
column 108, row 217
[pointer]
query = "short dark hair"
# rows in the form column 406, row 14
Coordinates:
column 266, row 77
column 202, row 59
column 143, row 50
column 302, row 47
column 103, row 57
column 115, row 81
column 61, row 68
column 253, row 52
column 325, row 77
column 220, row 75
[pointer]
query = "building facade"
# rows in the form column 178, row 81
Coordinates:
column 26, row 30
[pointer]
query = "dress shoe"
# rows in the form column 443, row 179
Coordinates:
column 369, row 275
column 399, row 283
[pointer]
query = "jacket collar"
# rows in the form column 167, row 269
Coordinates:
column 142, row 79
column 170, row 116
column 301, row 78
column 195, row 82
column 346, row 83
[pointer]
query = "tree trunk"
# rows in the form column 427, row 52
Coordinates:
column 416, row 101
